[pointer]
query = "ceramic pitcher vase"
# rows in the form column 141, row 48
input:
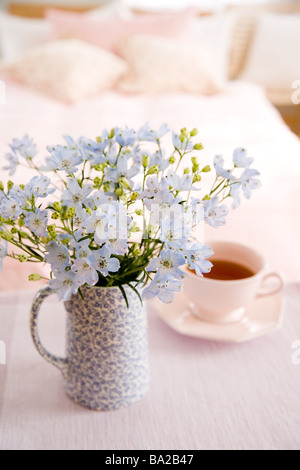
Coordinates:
column 106, row 365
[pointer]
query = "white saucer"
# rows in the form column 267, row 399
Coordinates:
column 264, row 315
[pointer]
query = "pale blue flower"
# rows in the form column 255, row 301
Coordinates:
column 3, row 253
column 163, row 289
column 101, row 199
column 161, row 203
column 81, row 249
column 63, row 159
column 121, row 170
column 153, row 187
column 179, row 183
column 80, row 217
column 10, row 208
column 197, row 258
column 249, row 181
column 25, row 147
column 147, row 134
column 183, row 145
column 37, row 222
column 97, row 224
column 39, row 187
column 175, row 232
column 57, row 256
column 158, row 159
column 85, row 273
column 13, row 163
column 125, row 136
column 241, row 159
column 235, row 193
column 102, row 262
column 65, row 284
column 76, row 196
column 87, row 149
column 116, row 246
column 215, row 213
column 167, row 265
column 196, row 212
column 220, row 170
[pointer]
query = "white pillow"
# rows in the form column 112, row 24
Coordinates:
column 215, row 33
column 274, row 58
column 166, row 65
column 17, row 35
column 111, row 9
column 69, row 70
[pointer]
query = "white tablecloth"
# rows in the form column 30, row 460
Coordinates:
column 203, row 394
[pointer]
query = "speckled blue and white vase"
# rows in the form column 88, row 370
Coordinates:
column 106, row 367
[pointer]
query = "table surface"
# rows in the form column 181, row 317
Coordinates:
column 203, row 394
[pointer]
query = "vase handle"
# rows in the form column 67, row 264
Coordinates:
column 59, row 362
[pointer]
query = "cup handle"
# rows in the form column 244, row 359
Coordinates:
column 264, row 291
column 59, row 362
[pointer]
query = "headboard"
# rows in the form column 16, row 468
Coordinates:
column 35, row 10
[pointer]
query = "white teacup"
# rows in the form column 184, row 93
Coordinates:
column 222, row 301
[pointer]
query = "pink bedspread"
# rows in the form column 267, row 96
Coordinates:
column 242, row 116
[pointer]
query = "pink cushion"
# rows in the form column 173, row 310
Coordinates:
column 109, row 33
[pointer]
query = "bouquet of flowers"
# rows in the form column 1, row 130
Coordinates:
column 119, row 210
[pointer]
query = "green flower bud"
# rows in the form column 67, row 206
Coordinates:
column 146, row 161
column 21, row 222
column 22, row 258
column 137, row 252
column 198, row 147
column 195, row 161
column 134, row 196
column 66, row 241
column 186, row 171
column 139, row 212
column 1, row 186
column 14, row 231
column 196, row 178
column 106, row 187
column 194, row 132
column 184, row 132
column 55, row 216
column 172, row 160
column 24, row 235
column 70, row 213
column 124, row 182
column 6, row 236
column 98, row 167
column 51, row 229
column 195, row 168
column 34, row 277
column 97, row 181
column 153, row 169
column 111, row 134
column 22, row 186
column 98, row 140
column 119, row 192
column 206, row 198
column 57, row 206
column 10, row 185
column 88, row 210
column 206, row 169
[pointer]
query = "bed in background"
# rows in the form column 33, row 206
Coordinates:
column 238, row 114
